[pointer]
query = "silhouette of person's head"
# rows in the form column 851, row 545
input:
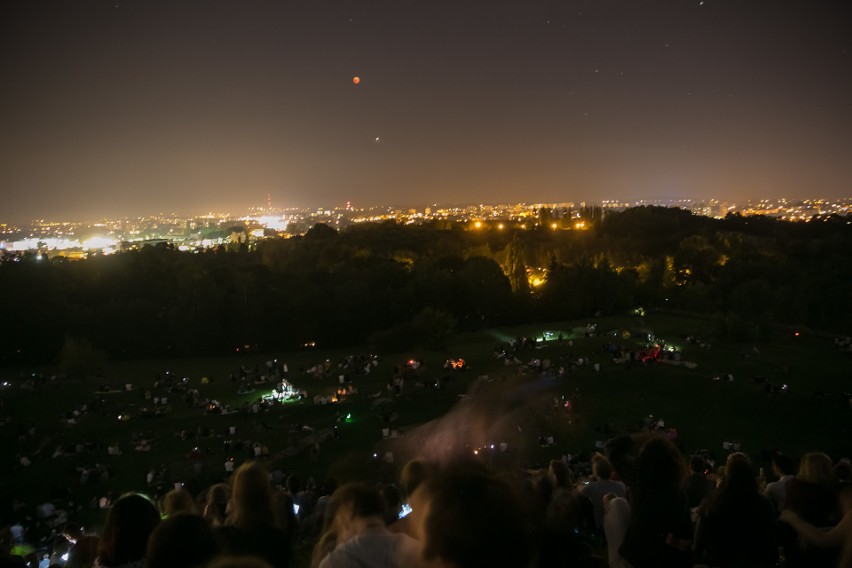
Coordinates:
column 783, row 465
column 469, row 518
column 251, row 497
column 660, row 468
column 129, row 524
column 354, row 503
column 181, row 541
column 178, row 501
column 413, row 473
column 817, row 468
column 739, row 481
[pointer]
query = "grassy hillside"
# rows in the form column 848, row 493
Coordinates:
column 510, row 404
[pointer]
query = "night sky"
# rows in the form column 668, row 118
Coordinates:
column 135, row 107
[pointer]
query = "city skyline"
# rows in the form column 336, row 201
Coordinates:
column 126, row 108
column 710, row 206
column 210, row 230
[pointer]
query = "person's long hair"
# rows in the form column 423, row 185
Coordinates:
column 251, row 497
column 216, row 507
column 129, row 523
column 660, row 469
column 328, row 536
column 178, row 501
column 817, row 468
column 738, row 488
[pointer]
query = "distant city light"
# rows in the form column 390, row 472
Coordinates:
column 71, row 239
column 274, row 223
column 536, row 277
column 99, row 243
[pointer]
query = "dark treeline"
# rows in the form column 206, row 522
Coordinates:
column 393, row 286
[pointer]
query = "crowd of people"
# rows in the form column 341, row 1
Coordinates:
column 639, row 503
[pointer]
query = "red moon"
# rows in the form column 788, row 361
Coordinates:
column 356, row 79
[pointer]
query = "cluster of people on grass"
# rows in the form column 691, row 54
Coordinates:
column 643, row 505
column 347, row 367
column 654, row 350
column 36, row 381
column 70, row 417
column 700, row 341
column 549, row 368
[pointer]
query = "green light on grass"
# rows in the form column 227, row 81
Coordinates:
column 21, row 550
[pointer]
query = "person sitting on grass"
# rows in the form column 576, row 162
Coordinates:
column 178, row 501
column 216, row 506
column 601, row 485
column 183, row 540
column 83, row 548
column 659, row 529
column 250, row 528
column 784, row 468
column 697, row 485
column 129, row 523
column 413, row 474
column 468, row 519
column 736, row 526
column 812, row 495
column 360, row 536
column 838, row 537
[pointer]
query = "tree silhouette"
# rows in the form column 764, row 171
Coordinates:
column 516, row 267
